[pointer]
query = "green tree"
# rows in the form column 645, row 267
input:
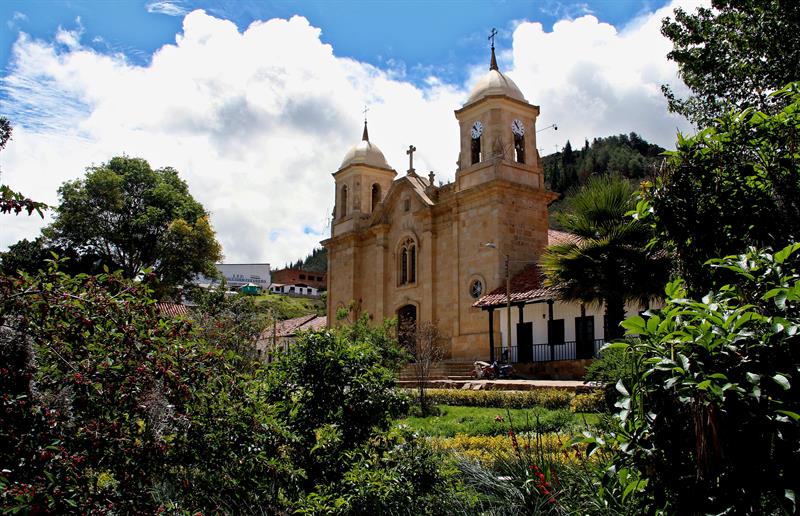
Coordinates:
column 711, row 422
column 733, row 185
column 733, row 56
column 133, row 218
column 233, row 323
column 609, row 262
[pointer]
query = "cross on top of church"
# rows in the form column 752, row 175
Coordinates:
column 365, row 134
column 493, row 64
column 410, row 153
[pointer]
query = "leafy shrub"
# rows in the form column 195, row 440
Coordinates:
column 109, row 408
column 594, row 401
column 395, row 473
column 547, row 398
column 712, row 423
column 613, row 365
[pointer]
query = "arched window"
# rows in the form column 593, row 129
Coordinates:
column 519, row 147
column 376, row 195
column 476, row 150
column 412, row 273
column 407, row 266
column 343, row 200
column 404, row 267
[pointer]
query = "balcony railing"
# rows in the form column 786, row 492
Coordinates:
column 545, row 352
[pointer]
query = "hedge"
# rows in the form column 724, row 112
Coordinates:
column 547, row 398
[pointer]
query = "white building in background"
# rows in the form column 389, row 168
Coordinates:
column 239, row 274
column 298, row 289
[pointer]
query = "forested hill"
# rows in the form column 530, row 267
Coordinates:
column 317, row 261
column 626, row 154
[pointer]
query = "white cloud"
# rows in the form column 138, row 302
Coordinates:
column 256, row 121
column 594, row 80
column 173, row 8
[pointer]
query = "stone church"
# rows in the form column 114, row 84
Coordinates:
column 403, row 247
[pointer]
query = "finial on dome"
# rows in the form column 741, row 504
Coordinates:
column 493, row 64
column 365, row 134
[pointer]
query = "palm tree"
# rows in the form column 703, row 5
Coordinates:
column 608, row 262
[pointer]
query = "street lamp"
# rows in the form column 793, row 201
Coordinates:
column 492, row 245
column 553, row 126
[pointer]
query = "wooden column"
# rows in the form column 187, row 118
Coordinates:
column 550, row 318
column 491, row 335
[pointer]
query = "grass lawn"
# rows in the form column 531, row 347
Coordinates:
column 481, row 421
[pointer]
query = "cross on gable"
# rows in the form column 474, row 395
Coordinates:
column 365, row 112
column 410, row 153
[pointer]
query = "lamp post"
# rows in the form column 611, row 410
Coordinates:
column 492, row 245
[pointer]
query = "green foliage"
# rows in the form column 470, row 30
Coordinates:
column 109, row 408
column 594, row 401
column 613, row 365
column 232, row 323
column 733, row 185
column 472, row 421
column 733, row 56
column 626, row 155
column 537, row 473
column 610, row 263
column 317, row 261
column 396, row 473
column 133, row 218
column 547, row 398
column 712, row 422
column 334, row 390
column 286, row 307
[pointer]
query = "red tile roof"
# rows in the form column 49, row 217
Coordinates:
column 172, row 309
column 528, row 284
column 290, row 327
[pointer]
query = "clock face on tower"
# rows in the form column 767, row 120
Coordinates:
column 517, row 127
column 477, row 130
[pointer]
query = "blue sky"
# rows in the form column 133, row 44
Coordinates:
column 256, row 103
column 424, row 37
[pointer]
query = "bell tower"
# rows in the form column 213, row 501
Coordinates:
column 498, row 127
column 362, row 181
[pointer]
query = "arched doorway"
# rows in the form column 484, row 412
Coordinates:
column 407, row 326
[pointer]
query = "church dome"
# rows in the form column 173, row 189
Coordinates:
column 365, row 153
column 494, row 83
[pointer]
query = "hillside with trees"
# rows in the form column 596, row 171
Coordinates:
column 317, row 261
column 627, row 155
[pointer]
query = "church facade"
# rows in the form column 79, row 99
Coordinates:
column 401, row 246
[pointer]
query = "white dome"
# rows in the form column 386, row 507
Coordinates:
column 494, row 83
column 364, row 153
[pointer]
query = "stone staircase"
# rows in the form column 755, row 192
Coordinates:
column 452, row 370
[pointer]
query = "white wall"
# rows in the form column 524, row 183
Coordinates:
column 538, row 315
column 294, row 289
column 242, row 273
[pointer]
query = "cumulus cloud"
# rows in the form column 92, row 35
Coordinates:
column 257, row 119
column 595, row 80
